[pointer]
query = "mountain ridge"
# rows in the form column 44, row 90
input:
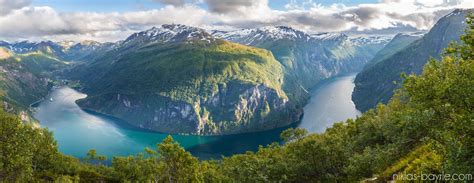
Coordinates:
column 377, row 83
column 187, row 82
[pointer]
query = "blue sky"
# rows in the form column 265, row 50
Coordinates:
column 112, row 20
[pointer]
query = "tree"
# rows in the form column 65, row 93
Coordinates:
column 93, row 157
column 15, row 149
column 179, row 165
column 138, row 168
column 292, row 134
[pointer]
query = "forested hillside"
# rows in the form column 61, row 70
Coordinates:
column 179, row 79
column 24, row 78
column 308, row 59
column 426, row 127
column 376, row 84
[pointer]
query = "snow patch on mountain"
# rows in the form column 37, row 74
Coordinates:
column 170, row 33
column 250, row 36
column 370, row 40
column 329, row 36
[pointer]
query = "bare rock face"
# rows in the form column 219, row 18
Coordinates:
column 377, row 83
column 234, row 108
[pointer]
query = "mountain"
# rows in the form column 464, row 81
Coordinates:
column 219, row 88
column 308, row 58
column 376, row 83
column 23, row 47
column 65, row 50
column 85, row 50
column 24, row 78
column 180, row 79
column 399, row 41
column 168, row 33
column 5, row 53
column 257, row 36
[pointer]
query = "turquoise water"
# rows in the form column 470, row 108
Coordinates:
column 78, row 131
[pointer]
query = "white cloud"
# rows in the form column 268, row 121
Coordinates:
column 384, row 15
column 46, row 22
column 6, row 6
column 171, row 2
column 232, row 6
column 21, row 21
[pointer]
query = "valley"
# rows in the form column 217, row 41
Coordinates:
column 204, row 87
column 236, row 91
column 78, row 131
column 181, row 79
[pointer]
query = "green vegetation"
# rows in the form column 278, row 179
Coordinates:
column 377, row 84
column 220, row 85
column 178, row 70
column 426, row 127
column 306, row 63
column 40, row 63
column 398, row 43
column 24, row 78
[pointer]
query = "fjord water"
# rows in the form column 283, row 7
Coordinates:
column 330, row 102
column 78, row 131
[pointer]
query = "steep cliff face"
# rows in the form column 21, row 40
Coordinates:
column 398, row 43
column 24, row 78
column 307, row 59
column 235, row 108
column 377, row 83
column 178, row 79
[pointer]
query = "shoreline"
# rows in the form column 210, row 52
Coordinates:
column 220, row 145
column 125, row 125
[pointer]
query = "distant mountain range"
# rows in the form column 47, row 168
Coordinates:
column 65, row 50
column 24, row 78
column 309, row 58
column 181, row 79
column 404, row 54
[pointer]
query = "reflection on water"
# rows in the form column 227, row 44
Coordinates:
column 330, row 102
column 78, row 131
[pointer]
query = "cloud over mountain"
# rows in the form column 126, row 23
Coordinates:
column 21, row 20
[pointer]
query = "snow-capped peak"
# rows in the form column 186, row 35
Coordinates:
column 250, row 36
column 329, row 36
column 170, row 33
column 454, row 13
column 366, row 40
column 282, row 32
column 67, row 44
column 411, row 34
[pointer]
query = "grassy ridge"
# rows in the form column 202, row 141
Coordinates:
column 228, row 87
column 180, row 71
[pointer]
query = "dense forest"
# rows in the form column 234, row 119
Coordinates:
column 426, row 127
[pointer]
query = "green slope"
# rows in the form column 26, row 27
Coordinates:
column 24, row 78
column 398, row 43
column 196, row 87
column 425, row 129
column 376, row 84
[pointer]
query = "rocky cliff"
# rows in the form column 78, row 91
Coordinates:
column 179, row 79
